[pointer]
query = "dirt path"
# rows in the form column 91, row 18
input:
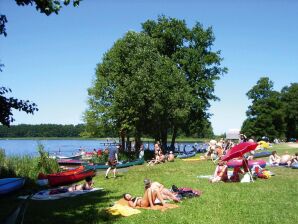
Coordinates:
column 293, row 145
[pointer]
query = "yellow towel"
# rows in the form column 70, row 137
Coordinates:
column 123, row 210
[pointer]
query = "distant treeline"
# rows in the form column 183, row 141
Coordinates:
column 41, row 130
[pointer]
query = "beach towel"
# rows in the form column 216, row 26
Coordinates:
column 123, row 202
column 46, row 194
column 123, row 210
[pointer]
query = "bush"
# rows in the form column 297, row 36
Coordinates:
column 45, row 164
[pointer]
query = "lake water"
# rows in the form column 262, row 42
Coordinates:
column 64, row 147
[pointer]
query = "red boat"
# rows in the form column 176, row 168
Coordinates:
column 70, row 176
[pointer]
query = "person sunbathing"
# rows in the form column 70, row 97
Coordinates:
column 285, row 158
column 165, row 193
column 220, row 173
column 171, row 157
column 154, row 161
column 274, row 159
column 148, row 200
column 88, row 185
column 294, row 159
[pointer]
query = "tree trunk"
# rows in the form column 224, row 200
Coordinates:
column 128, row 144
column 122, row 136
column 164, row 139
column 174, row 137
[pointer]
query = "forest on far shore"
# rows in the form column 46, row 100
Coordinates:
column 41, row 130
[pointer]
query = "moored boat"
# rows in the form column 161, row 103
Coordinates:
column 120, row 165
column 188, row 155
column 8, row 185
column 70, row 162
column 70, row 176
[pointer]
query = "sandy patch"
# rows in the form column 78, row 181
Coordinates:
column 293, row 145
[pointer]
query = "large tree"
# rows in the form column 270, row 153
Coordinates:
column 289, row 96
column 190, row 50
column 265, row 116
column 158, row 80
column 7, row 104
column 137, row 90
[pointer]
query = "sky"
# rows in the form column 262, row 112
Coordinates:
column 51, row 60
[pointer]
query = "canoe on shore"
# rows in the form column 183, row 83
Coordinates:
column 8, row 185
column 262, row 154
column 70, row 176
column 70, row 162
column 120, row 165
column 76, row 157
column 183, row 156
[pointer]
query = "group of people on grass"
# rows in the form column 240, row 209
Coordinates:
column 159, row 157
column 284, row 160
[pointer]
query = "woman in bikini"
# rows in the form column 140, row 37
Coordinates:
column 220, row 173
column 148, row 200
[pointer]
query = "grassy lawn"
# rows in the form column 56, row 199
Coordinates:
column 265, row 201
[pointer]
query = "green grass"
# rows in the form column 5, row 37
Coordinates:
column 264, row 201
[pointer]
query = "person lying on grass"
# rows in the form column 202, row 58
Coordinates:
column 220, row 173
column 148, row 200
column 88, row 185
column 165, row 193
column 294, row 159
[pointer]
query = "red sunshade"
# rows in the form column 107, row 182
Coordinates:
column 239, row 150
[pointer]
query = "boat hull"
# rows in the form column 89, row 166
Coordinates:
column 71, row 176
column 123, row 165
column 8, row 185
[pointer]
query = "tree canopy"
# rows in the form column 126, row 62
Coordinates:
column 289, row 96
column 266, row 114
column 155, row 81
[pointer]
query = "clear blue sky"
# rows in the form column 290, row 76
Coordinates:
column 51, row 60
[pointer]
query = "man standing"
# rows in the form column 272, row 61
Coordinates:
column 112, row 160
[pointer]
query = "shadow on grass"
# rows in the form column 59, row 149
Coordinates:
column 88, row 208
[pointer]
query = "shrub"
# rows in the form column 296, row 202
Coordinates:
column 45, row 164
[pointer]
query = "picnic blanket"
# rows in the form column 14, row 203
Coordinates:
column 123, row 210
column 45, row 194
column 123, row 202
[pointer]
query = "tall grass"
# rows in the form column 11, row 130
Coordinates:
column 27, row 166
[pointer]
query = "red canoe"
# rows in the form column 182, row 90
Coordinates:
column 70, row 176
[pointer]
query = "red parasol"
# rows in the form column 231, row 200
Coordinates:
column 239, row 150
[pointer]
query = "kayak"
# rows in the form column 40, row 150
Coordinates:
column 70, row 162
column 8, row 185
column 183, row 156
column 70, row 176
column 262, row 154
column 120, row 165
column 66, row 157
column 251, row 163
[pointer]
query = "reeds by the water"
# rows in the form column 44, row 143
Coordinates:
column 27, row 166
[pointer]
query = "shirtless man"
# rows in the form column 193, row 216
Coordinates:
column 165, row 193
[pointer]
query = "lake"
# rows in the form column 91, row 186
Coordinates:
column 64, row 147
